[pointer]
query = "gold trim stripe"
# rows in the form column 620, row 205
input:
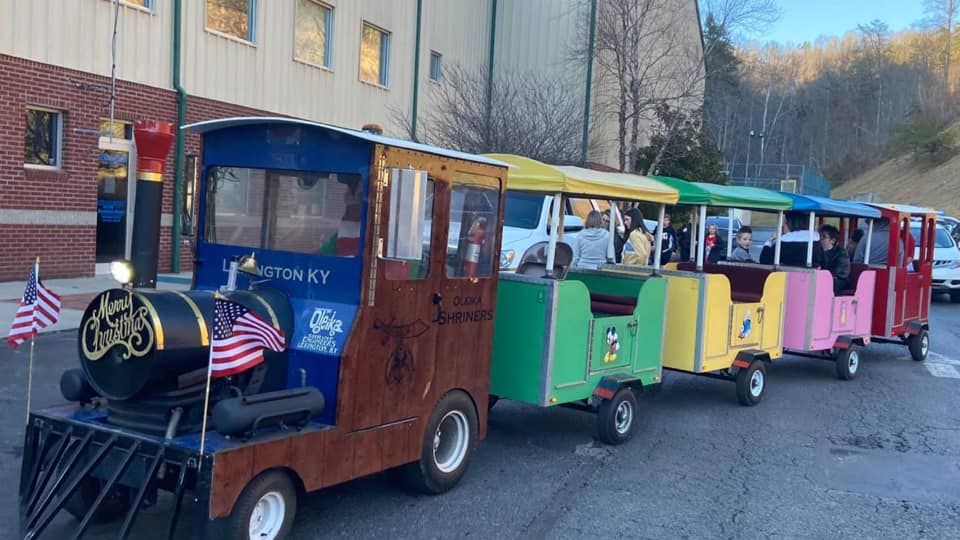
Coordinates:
column 150, row 176
column 204, row 334
column 155, row 317
column 273, row 316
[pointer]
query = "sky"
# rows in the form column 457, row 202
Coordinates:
column 805, row 20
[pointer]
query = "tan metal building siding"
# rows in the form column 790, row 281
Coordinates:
column 532, row 36
column 77, row 34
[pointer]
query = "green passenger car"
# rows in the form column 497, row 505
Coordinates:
column 579, row 337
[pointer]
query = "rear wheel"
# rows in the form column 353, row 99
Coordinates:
column 752, row 383
column 447, row 448
column 616, row 418
column 848, row 363
column 919, row 345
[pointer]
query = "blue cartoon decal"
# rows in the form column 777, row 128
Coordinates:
column 746, row 326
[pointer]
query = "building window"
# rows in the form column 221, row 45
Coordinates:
column 43, row 138
column 436, row 65
column 313, row 33
column 145, row 4
column 375, row 55
column 232, row 17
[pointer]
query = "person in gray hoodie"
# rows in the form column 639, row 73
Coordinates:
column 590, row 247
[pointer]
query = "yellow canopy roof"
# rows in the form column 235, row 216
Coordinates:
column 527, row 174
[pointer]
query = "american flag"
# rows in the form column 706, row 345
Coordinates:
column 39, row 308
column 239, row 337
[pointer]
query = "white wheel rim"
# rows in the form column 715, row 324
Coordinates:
column 267, row 517
column 756, row 383
column 451, row 441
column 623, row 418
column 924, row 344
column 853, row 361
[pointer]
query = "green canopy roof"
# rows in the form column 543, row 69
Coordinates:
column 749, row 198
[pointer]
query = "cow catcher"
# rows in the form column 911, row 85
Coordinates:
column 374, row 258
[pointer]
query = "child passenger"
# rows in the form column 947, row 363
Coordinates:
column 741, row 252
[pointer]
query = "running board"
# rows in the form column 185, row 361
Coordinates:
column 59, row 460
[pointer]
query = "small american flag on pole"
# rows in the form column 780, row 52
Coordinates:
column 239, row 338
column 39, row 308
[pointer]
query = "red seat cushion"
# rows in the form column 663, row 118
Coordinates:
column 611, row 304
column 746, row 296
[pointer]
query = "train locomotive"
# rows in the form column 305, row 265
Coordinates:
column 319, row 231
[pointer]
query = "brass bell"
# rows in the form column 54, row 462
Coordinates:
column 248, row 265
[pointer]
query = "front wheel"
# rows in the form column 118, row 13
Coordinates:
column 752, row 383
column 848, row 363
column 919, row 345
column 447, row 448
column 264, row 510
column 616, row 417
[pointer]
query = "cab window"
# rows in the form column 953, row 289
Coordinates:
column 472, row 236
column 318, row 213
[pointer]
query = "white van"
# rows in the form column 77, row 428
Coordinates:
column 526, row 219
column 946, row 262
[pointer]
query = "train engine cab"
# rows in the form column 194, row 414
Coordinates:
column 374, row 258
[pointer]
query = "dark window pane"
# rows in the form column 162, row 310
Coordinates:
column 42, row 138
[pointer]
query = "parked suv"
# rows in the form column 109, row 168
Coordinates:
column 946, row 262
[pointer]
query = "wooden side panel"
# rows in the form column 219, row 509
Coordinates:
column 398, row 361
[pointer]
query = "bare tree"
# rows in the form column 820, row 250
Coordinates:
column 942, row 16
column 743, row 17
column 644, row 57
column 528, row 115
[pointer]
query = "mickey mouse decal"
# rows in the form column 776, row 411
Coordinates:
column 613, row 341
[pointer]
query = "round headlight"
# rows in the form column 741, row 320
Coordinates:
column 122, row 271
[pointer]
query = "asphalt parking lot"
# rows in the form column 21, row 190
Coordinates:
column 877, row 457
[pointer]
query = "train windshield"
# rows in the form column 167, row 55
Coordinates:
column 302, row 212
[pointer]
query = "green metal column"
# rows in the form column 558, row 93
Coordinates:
column 493, row 45
column 589, row 89
column 416, row 73
column 181, row 120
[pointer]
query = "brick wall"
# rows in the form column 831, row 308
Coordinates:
column 68, row 249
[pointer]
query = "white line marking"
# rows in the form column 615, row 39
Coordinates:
column 942, row 370
column 938, row 358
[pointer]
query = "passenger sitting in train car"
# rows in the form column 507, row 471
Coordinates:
column 638, row 242
column 741, row 252
column 879, row 245
column 793, row 243
column 835, row 258
column 590, row 246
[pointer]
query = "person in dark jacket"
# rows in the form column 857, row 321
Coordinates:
column 835, row 258
column 685, row 239
column 669, row 244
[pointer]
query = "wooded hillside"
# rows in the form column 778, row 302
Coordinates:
column 839, row 105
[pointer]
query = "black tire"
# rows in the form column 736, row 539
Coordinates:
column 616, row 419
column 955, row 297
column 848, row 363
column 919, row 345
column 752, row 384
column 271, row 484
column 115, row 505
column 444, row 455
column 491, row 401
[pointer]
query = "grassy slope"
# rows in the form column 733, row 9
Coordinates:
column 901, row 180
